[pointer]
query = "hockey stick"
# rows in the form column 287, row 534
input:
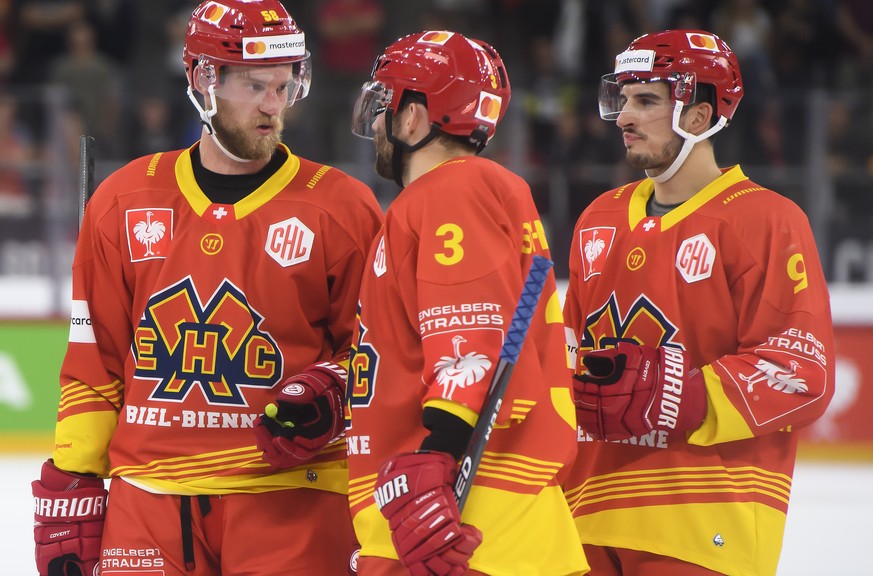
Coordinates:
column 527, row 303
column 86, row 173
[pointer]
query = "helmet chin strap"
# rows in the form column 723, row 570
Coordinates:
column 206, row 120
column 690, row 141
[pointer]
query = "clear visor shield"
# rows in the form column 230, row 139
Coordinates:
column 255, row 84
column 613, row 99
column 373, row 100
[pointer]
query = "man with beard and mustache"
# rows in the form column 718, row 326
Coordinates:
column 441, row 285
column 701, row 328
column 214, row 297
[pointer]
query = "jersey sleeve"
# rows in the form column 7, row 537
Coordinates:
column 358, row 220
column 782, row 376
column 470, row 272
column 100, row 336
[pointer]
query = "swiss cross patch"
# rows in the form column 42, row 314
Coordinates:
column 595, row 244
column 219, row 213
column 149, row 233
column 650, row 224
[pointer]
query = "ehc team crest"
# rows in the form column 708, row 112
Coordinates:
column 642, row 322
column 218, row 347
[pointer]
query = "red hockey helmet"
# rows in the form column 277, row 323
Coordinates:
column 683, row 58
column 246, row 32
column 464, row 81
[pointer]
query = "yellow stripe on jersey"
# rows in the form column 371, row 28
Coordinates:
column 670, row 482
column 194, row 465
column 76, row 393
column 361, row 489
column 518, row 469
column 723, row 422
column 520, row 409
column 327, row 477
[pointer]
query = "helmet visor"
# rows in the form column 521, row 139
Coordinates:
column 612, row 101
column 373, row 100
column 253, row 84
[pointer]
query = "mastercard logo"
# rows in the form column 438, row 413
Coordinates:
column 440, row 37
column 256, row 47
column 489, row 107
column 702, row 41
column 214, row 12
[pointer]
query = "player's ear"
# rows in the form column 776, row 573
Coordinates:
column 699, row 118
column 203, row 77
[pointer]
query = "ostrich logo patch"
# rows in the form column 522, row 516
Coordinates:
column 779, row 378
column 460, row 370
column 595, row 244
column 149, row 233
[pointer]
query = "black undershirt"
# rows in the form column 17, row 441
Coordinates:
column 655, row 208
column 231, row 188
column 448, row 433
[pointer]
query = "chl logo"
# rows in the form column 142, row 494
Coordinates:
column 289, row 242
column 218, row 347
column 695, row 258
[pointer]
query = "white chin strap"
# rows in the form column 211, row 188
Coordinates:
column 206, row 119
column 690, row 141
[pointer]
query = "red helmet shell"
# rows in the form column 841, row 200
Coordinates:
column 242, row 32
column 702, row 53
column 464, row 80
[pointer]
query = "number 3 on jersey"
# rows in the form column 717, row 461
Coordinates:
column 451, row 236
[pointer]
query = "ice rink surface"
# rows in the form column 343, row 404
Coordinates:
column 829, row 532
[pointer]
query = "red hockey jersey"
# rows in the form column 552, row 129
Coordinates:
column 186, row 314
column 733, row 277
column 440, row 289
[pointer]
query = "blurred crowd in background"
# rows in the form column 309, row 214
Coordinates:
column 112, row 69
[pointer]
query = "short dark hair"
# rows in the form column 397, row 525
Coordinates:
column 706, row 93
column 444, row 138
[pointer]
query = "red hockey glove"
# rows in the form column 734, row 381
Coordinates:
column 307, row 414
column 414, row 493
column 68, row 521
column 630, row 390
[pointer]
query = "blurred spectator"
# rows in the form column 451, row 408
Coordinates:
column 91, row 80
column 7, row 55
column 755, row 137
column 855, row 24
column 16, row 154
column 350, row 34
column 40, row 35
column 115, row 26
column 151, row 131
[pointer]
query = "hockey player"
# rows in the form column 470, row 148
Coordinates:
column 207, row 283
column 440, row 287
column 702, row 321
